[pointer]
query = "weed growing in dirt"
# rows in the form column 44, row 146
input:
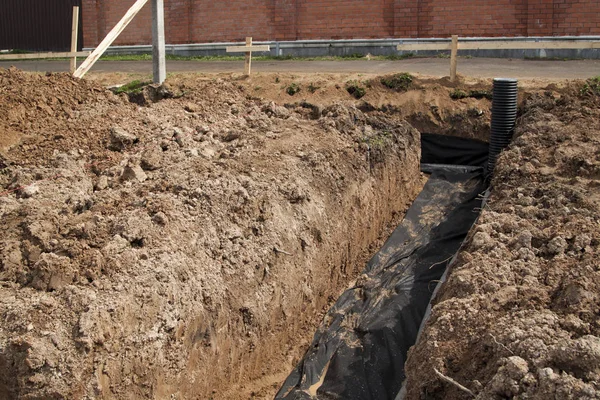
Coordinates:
column 377, row 141
column 399, row 82
column 133, row 87
column 313, row 88
column 480, row 94
column 292, row 89
column 355, row 89
column 591, row 87
column 458, row 94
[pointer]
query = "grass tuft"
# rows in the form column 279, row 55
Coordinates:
column 399, row 82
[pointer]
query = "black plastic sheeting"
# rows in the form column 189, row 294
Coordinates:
column 360, row 349
column 442, row 149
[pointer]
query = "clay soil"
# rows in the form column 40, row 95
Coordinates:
column 186, row 245
column 519, row 317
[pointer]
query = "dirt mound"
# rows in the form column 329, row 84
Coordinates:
column 519, row 316
column 185, row 248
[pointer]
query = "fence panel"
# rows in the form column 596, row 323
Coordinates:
column 38, row 25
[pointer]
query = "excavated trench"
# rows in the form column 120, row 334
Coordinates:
column 194, row 251
column 360, row 349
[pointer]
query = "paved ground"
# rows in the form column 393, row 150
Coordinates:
column 475, row 67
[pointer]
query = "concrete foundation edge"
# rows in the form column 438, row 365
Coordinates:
column 375, row 47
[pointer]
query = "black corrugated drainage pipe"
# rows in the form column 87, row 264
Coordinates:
column 504, row 116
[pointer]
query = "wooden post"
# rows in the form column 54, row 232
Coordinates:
column 159, row 67
column 110, row 38
column 247, row 49
column 248, row 64
column 74, row 34
column 453, row 57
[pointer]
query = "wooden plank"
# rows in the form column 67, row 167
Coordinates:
column 514, row 45
column 248, row 61
column 453, row 57
column 74, row 32
column 245, row 49
column 30, row 56
column 504, row 44
column 110, row 38
column 423, row 46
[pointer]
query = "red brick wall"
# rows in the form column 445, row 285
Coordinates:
column 199, row 21
column 341, row 19
column 442, row 18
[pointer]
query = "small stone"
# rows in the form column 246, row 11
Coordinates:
column 480, row 239
column 29, row 327
column 29, row 191
column 192, row 152
column 133, row 173
column 547, row 374
column 516, row 367
column 202, row 129
column 557, row 246
column 524, row 239
column 178, row 136
column 191, row 107
column 120, row 138
column 276, row 110
column 581, row 242
column 208, row 152
column 160, row 218
column 231, row 136
column 151, row 159
column 102, row 182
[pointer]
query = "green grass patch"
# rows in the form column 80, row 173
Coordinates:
column 378, row 140
column 399, row 82
column 292, row 89
column 133, row 87
column 313, row 88
column 458, row 94
column 591, row 87
column 355, row 89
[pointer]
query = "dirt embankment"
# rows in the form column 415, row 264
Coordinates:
column 519, row 316
column 186, row 248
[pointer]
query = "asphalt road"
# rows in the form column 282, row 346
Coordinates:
column 474, row 67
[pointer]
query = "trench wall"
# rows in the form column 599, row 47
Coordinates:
column 201, row 21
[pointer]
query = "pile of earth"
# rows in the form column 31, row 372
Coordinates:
column 519, row 316
column 184, row 249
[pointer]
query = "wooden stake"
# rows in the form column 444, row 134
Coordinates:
column 453, row 57
column 74, row 34
column 247, row 49
column 110, row 38
column 248, row 64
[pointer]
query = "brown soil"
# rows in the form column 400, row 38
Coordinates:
column 519, row 316
column 188, row 248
